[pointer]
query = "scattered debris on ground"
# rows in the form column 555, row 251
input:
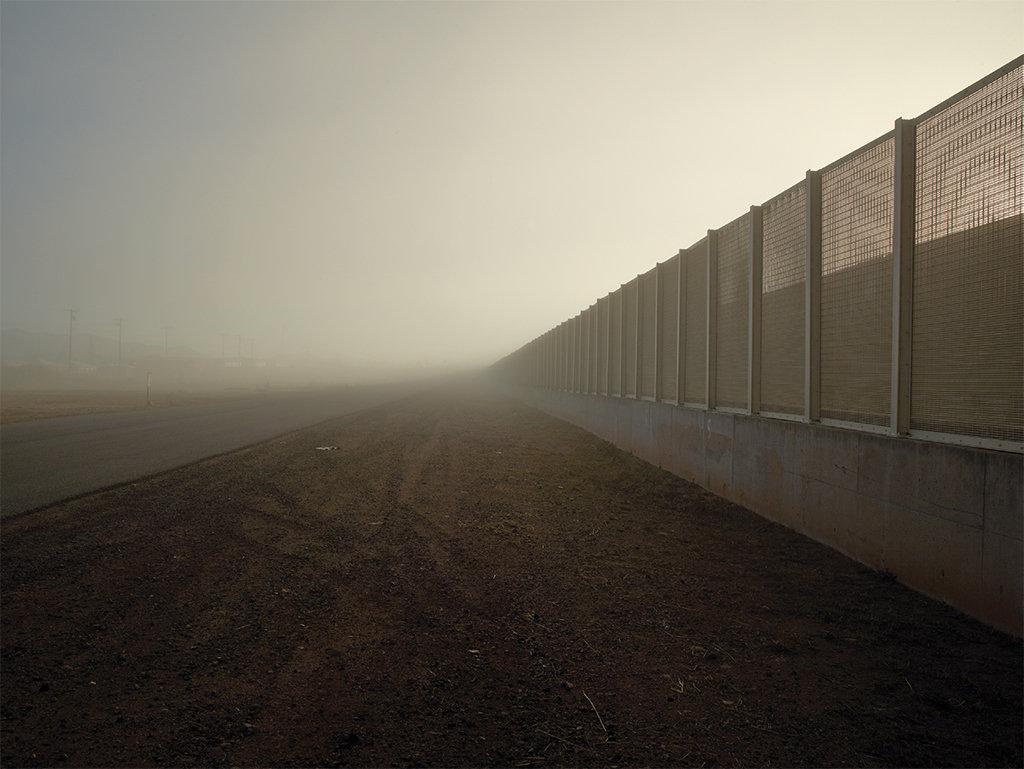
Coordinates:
column 471, row 583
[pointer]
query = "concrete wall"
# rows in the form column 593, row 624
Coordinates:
column 945, row 520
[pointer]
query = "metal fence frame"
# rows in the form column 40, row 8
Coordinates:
column 617, row 347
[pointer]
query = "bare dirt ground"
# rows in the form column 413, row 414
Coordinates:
column 464, row 581
column 27, row 405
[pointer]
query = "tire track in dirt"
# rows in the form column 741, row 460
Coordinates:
column 466, row 582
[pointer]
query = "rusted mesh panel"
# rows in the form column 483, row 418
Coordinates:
column 629, row 306
column 668, row 325
column 602, row 345
column 695, row 346
column 968, row 329
column 615, row 346
column 733, row 314
column 648, row 333
column 782, row 303
column 856, row 287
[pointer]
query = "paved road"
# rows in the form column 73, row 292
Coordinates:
column 49, row 460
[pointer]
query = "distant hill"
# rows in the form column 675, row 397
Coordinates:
column 17, row 345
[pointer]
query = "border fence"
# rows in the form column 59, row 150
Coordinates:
column 882, row 295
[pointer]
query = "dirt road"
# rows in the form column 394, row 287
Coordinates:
column 463, row 581
column 49, row 460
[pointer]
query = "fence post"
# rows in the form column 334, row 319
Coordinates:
column 903, row 223
column 754, row 315
column 711, row 322
column 812, row 305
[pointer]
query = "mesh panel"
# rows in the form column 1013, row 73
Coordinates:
column 648, row 334
column 545, row 342
column 540, row 344
column 541, row 352
column 602, row 346
column 580, row 353
column 552, row 360
column 586, row 348
column 572, row 378
column 585, row 331
column 594, row 330
column 696, row 323
column 560, row 357
column 968, row 334
column 615, row 348
column 567, row 349
column 732, row 315
column 556, row 382
column 669, row 327
column 856, row 287
column 629, row 343
column 782, row 304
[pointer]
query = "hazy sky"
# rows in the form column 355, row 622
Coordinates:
column 422, row 181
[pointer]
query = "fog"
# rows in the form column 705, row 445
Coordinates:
column 417, row 186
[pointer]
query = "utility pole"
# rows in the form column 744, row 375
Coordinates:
column 71, row 327
column 166, row 338
column 119, row 322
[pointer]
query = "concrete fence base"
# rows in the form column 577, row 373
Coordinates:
column 945, row 520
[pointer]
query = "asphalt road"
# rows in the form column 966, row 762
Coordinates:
column 49, row 460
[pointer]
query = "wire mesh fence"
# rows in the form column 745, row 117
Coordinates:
column 856, row 288
column 744, row 312
column 668, row 330
column 648, row 334
column 630, row 304
column 968, row 320
column 695, row 338
column 732, row 311
column 782, row 303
